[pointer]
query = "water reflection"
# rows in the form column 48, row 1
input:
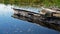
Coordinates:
column 9, row 25
column 32, row 20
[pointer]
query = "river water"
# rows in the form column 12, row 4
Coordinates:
column 10, row 25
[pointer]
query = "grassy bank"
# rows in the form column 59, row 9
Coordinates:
column 46, row 3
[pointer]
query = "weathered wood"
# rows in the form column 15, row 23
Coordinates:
column 48, row 17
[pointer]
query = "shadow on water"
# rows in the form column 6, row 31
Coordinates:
column 51, row 26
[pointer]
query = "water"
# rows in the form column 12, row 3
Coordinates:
column 9, row 25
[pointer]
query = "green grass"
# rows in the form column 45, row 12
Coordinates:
column 46, row 3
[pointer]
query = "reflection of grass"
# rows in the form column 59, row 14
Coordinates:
column 46, row 3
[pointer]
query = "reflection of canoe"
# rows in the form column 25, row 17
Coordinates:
column 51, row 19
